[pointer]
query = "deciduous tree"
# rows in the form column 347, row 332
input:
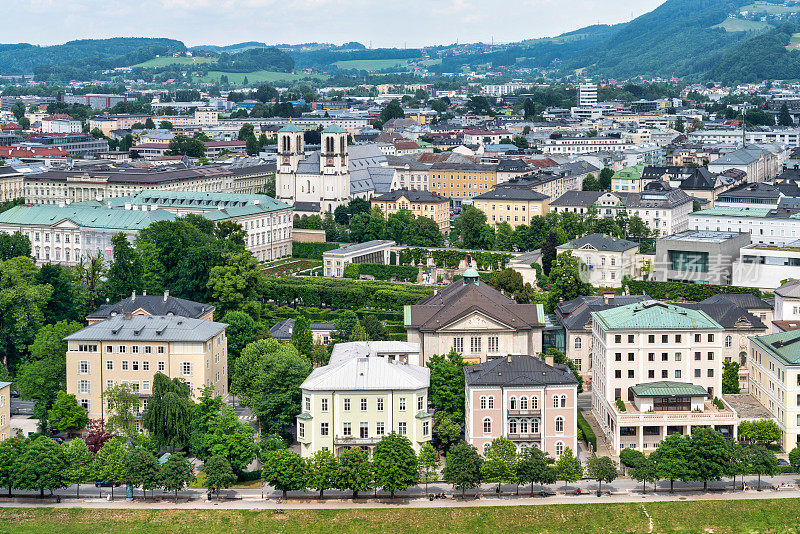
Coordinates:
column 500, row 462
column 394, row 463
column 219, row 473
column 176, row 473
column 354, row 472
column 322, row 469
column 671, row 459
column 462, row 468
column 568, row 467
column 41, row 466
column 602, row 469
column 66, row 415
column 428, row 464
column 168, row 416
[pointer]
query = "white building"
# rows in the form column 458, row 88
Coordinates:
column 587, row 95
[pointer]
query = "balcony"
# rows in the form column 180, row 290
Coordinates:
column 517, row 413
column 352, row 440
column 710, row 414
column 525, row 437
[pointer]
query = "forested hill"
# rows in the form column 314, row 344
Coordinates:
column 764, row 57
column 99, row 53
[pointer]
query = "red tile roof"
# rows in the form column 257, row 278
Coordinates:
column 33, row 152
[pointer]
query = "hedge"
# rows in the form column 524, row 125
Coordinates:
column 676, row 290
column 311, row 251
column 382, row 272
column 586, row 429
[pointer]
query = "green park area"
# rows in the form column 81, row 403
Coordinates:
column 378, row 64
column 169, row 60
column 258, row 76
column 776, row 515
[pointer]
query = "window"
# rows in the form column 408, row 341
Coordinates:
column 559, row 424
column 363, row 430
column 458, row 344
column 651, row 373
column 490, row 402
column 512, row 427
column 135, row 349
column 523, row 403
column 186, row 368
column 682, row 260
column 421, row 402
column 664, row 338
column 728, row 342
column 347, row 405
column 710, row 355
column 618, row 373
column 697, row 373
column 379, row 404
column 630, row 338
column 651, row 356
column 401, row 428
column 301, row 430
column 308, row 404
column 324, row 405
column 83, row 387
column 677, row 338
column 563, row 401
column 677, row 373
column 630, row 373
column 161, row 366
column 677, row 356
column 160, row 350
column 83, row 367
column 618, row 357
column 124, row 365
column 534, row 403
column 109, row 384
column 710, row 373
column 475, row 344
column 426, row 428
column 148, row 349
column 618, row 338
column 109, row 348
column 135, row 366
column 555, row 401
column 697, row 356
column 122, row 349
column 578, row 342
column 512, row 403
column 482, row 402
column 664, row 373
column 363, row 405
column 347, row 429
column 710, row 338
column 402, row 404
column 145, row 366
column 487, row 425
column 697, row 338
column 323, row 429
column 494, row 344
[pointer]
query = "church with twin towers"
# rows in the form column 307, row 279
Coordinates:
column 321, row 180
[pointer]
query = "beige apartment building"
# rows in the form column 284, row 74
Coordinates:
column 419, row 203
column 5, row 410
column 131, row 349
column 356, row 400
column 512, row 205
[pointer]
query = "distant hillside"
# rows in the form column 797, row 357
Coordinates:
column 86, row 54
column 765, row 57
column 238, row 47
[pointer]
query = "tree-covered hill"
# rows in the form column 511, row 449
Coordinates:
column 764, row 57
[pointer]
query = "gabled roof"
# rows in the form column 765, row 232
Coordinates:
column 747, row 301
column 149, row 328
column 518, row 370
column 362, row 374
column 411, row 196
column 669, row 389
column 790, row 288
column 577, row 198
column 576, row 314
column 729, row 315
column 153, row 305
column 785, row 346
column 601, row 242
column 654, row 315
column 512, row 193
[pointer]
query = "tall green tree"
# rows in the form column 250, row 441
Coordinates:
column 241, row 331
column 126, row 273
column 784, row 117
column 302, row 338
column 605, row 179
column 394, row 463
column 568, row 467
column 66, row 415
column 168, row 416
column 22, row 304
column 227, row 437
column 447, row 428
column 219, row 473
column 41, row 466
column 708, row 455
column 446, row 393
column 267, row 379
column 66, row 303
column 428, row 464
column 730, row 377
column 462, row 468
column 602, row 469
column 671, row 459
column 80, row 464
column 644, row 471
column 500, row 462
column 354, row 472
column 143, row 469
column 123, row 407
column 237, row 284
column 467, row 228
column 14, row 245
column 761, row 461
column 322, row 469
column 176, row 473
column 761, row 431
column 10, row 450
column 344, row 325
column 566, row 280
column 285, row 471
column 590, row 183
column 533, row 467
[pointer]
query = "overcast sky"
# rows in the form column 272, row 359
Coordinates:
column 385, row 23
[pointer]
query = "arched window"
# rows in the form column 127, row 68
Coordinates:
column 483, row 402
column 512, row 426
column 534, row 426
column 742, row 358
column 728, row 342
column 522, row 448
column 523, row 426
column 523, row 403
column 535, row 445
column 578, row 342
column 486, row 448
column 555, row 401
column 512, row 403
column 342, row 144
column 534, row 403
column 491, row 402
column 563, row 401
column 559, row 448
column 487, row 425
column 559, row 424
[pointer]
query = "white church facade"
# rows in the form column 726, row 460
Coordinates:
column 322, row 180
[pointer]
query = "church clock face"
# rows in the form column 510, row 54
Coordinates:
column 285, row 160
column 330, row 162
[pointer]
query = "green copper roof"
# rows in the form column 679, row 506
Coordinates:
column 654, row 315
column 669, row 389
column 630, row 173
column 84, row 216
column 729, row 211
column 200, row 201
column 290, row 128
column 423, row 415
column 333, row 128
column 783, row 346
column 304, row 416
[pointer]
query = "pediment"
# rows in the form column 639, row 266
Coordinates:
column 743, row 322
column 65, row 223
column 477, row 321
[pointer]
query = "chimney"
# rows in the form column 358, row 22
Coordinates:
column 509, row 358
column 133, row 296
column 166, row 295
column 548, row 359
column 607, row 296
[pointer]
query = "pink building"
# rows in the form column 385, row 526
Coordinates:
column 525, row 399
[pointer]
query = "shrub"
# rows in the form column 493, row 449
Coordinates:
column 620, row 405
column 382, row 272
column 676, row 290
column 311, row 251
column 586, row 430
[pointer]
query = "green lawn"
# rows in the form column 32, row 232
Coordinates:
column 742, row 25
column 259, row 76
column 164, row 61
column 379, row 64
column 769, row 8
column 794, row 42
column 697, row 516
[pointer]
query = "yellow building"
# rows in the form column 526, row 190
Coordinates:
column 628, row 180
column 131, row 349
column 774, row 381
column 514, row 205
column 420, row 203
column 354, row 401
column 5, row 410
column 461, row 181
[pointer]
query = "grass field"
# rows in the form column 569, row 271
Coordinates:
column 694, row 516
column 742, row 25
column 164, row 61
column 794, row 42
column 769, row 8
column 378, row 64
column 259, row 76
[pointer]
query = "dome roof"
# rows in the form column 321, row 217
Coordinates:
column 471, row 274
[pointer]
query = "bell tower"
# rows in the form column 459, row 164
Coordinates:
column 334, row 161
column 291, row 151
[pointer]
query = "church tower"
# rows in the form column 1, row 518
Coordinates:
column 291, row 151
column 334, row 168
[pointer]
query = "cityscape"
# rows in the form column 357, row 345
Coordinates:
column 541, row 284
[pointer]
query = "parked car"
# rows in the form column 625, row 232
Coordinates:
column 781, row 461
column 58, row 440
column 106, row 484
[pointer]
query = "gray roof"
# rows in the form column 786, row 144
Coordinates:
column 518, row 370
column 576, row 314
column 413, row 196
column 602, row 242
column 283, row 329
column 758, row 190
column 363, row 349
column 577, row 198
column 361, row 374
column 790, row 288
column 153, row 305
column 742, row 156
column 747, row 301
column 149, row 328
column 511, row 193
column 729, row 315
column 657, row 194
column 360, row 246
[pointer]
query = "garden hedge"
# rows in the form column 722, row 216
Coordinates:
column 382, row 272
column 588, row 434
column 311, row 251
column 676, row 290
